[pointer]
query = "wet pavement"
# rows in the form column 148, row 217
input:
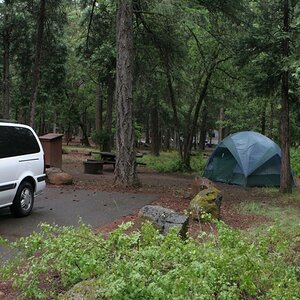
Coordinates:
column 63, row 206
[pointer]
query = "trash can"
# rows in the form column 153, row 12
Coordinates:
column 52, row 145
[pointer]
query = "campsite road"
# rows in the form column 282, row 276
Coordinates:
column 67, row 207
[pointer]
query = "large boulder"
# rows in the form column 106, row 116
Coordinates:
column 57, row 177
column 165, row 219
column 206, row 201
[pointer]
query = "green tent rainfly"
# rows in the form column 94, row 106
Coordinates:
column 245, row 158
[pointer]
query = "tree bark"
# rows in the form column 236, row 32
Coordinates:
column 286, row 177
column 6, row 66
column 154, row 129
column 6, row 77
column 271, row 119
column 125, row 168
column 107, row 145
column 147, row 132
column 203, row 129
column 99, row 108
column 221, row 128
column 85, row 139
column 167, row 145
column 37, row 61
column 263, row 117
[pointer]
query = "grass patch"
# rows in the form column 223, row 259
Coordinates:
column 295, row 195
column 198, row 163
column 275, row 193
column 170, row 162
column 166, row 162
column 79, row 149
column 271, row 211
column 286, row 216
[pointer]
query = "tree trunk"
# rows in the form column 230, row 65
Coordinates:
column 154, row 129
column 190, row 133
column 221, row 128
column 167, row 144
column 37, row 61
column 99, row 108
column 203, row 128
column 174, row 107
column 125, row 168
column 285, row 178
column 263, row 117
column 42, row 125
column 6, row 73
column 147, row 132
column 107, row 145
column 271, row 119
column 6, row 77
column 85, row 138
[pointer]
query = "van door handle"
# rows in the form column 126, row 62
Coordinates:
column 30, row 159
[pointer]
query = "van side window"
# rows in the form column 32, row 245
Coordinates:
column 15, row 141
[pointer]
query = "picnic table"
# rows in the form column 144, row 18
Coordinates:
column 109, row 158
column 95, row 166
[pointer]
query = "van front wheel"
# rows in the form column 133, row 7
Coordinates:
column 23, row 202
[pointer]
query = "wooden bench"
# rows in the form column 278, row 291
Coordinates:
column 93, row 166
column 113, row 163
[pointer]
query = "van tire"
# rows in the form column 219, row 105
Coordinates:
column 23, row 201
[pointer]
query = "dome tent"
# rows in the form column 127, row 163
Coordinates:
column 245, row 158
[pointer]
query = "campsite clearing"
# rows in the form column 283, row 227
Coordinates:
column 174, row 191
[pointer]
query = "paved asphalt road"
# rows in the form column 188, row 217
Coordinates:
column 66, row 207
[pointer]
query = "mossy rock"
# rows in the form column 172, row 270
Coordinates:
column 83, row 290
column 207, row 201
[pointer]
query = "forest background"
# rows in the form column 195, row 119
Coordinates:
column 198, row 66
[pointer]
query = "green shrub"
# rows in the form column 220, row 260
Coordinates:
column 147, row 265
column 166, row 162
column 198, row 163
column 170, row 162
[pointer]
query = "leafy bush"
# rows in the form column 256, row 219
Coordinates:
column 147, row 265
column 170, row 162
column 295, row 161
column 167, row 162
column 198, row 163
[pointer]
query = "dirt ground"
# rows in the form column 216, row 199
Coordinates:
column 174, row 191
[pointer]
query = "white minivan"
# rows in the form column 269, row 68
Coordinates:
column 22, row 169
